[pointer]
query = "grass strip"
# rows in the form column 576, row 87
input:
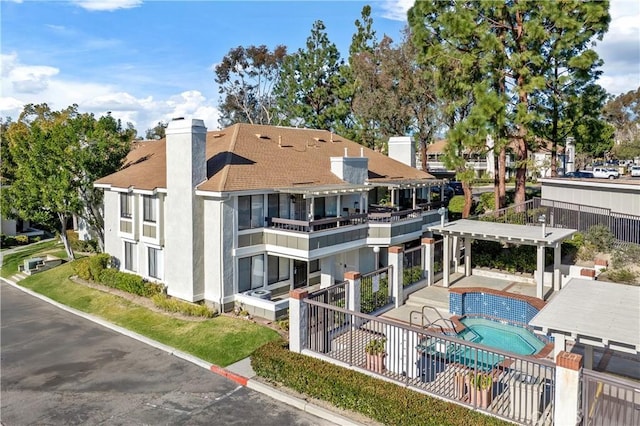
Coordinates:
column 221, row 340
column 11, row 261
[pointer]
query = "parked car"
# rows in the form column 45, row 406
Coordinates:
column 635, row 171
column 605, row 173
column 580, row 174
column 448, row 191
column 457, row 188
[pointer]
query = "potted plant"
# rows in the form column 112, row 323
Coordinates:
column 375, row 355
column 480, row 389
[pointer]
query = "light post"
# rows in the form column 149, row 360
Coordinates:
column 543, row 221
column 376, row 253
column 442, row 211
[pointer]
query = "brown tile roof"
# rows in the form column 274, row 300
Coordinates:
column 248, row 157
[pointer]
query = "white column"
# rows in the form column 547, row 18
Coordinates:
column 540, row 274
column 467, row 257
column 557, row 276
column 414, row 198
column 396, row 260
column 567, row 395
column 353, row 292
column 559, row 344
column 429, row 253
column 298, row 326
column 446, row 260
column 456, row 253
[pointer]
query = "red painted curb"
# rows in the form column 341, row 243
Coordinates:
column 229, row 375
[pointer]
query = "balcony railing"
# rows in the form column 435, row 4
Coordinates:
column 317, row 225
column 394, row 216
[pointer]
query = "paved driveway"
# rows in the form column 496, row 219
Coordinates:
column 58, row 369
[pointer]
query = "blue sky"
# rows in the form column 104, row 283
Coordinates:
column 147, row 61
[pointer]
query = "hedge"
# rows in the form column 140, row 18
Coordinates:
column 379, row 400
column 130, row 283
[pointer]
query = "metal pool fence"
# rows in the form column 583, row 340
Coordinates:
column 609, row 400
column 375, row 290
column 513, row 387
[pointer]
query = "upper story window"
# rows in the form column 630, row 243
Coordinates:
column 250, row 211
column 149, row 210
column 126, row 205
column 278, row 205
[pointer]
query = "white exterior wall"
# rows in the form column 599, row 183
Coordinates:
column 616, row 196
column 112, row 239
column 402, row 148
column 184, row 249
column 9, row 227
column 219, row 229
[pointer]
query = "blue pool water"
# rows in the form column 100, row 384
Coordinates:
column 505, row 337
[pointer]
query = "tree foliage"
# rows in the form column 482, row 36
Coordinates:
column 311, row 91
column 507, row 45
column 56, row 157
column 623, row 113
column 157, row 132
column 246, row 77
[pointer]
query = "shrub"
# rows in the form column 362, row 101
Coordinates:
column 622, row 276
column 130, row 283
column 97, row 264
column 600, row 237
column 82, row 269
column 456, row 206
column 487, row 203
column 81, row 246
column 170, row 304
column 382, row 401
column 625, row 255
column 36, row 239
column 22, row 239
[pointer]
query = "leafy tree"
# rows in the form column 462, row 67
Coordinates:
column 623, row 112
column 44, row 145
column 57, row 156
column 593, row 135
column 508, row 43
column 311, row 89
column 246, row 78
column 158, row 132
column 7, row 165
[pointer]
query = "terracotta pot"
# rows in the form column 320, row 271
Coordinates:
column 375, row 363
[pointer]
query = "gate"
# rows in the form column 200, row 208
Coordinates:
column 609, row 400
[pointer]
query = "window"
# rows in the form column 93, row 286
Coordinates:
column 149, row 208
column 125, row 205
column 314, row 265
column 278, row 269
column 129, row 256
column 250, row 273
column 154, row 256
column 250, row 211
column 278, row 205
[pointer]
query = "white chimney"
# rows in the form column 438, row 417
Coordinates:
column 402, row 148
column 184, row 236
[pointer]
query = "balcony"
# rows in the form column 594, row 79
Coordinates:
column 307, row 226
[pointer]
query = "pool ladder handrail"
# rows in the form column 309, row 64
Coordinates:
column 430, row 324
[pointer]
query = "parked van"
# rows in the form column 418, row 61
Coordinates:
column 605, row 173
column 635, row 171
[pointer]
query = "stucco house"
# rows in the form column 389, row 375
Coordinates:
column 252, row 210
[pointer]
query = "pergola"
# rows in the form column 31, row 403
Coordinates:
column 541, row 237
column 594, row 313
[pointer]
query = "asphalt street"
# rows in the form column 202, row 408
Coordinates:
column 59, row 369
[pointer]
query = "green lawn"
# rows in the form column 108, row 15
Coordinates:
column 11, row 261
column 221, row 341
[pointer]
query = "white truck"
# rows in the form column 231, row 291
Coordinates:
column 605, row 173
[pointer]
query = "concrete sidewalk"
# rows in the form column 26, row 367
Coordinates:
column 239, row 372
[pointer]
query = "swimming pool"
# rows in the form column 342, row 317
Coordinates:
column 502, row 336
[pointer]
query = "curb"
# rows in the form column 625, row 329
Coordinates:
column 241, row 380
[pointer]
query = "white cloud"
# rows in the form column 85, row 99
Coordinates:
column 107, row 5
column 143, row 112
column 396, row 10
